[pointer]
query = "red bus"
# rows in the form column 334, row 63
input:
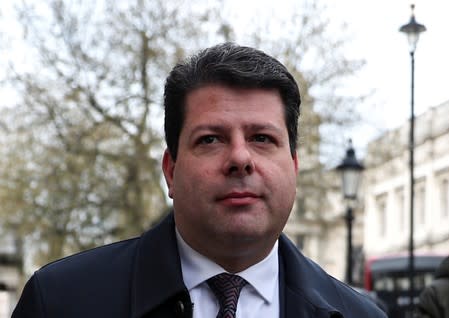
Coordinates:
column 388, row 278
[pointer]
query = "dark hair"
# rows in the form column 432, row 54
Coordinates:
column 234, row 66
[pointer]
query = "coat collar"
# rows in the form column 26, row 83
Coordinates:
column 157, row 269
column 157, row 277
column 307, row 288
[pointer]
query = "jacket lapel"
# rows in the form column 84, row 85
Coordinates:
column 157, row 269
column 305, row 289
column 298, row 306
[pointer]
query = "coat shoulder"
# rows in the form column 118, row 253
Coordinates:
column 324, row 292
column 100, row 260
column 96, row 278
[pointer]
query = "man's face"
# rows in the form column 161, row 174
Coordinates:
column 234, row 181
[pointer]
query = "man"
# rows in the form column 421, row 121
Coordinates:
column 231, row 117
column 434, row 299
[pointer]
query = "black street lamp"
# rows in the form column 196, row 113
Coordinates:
column 350, row 170
column 412, row 29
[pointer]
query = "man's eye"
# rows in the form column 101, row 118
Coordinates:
column 209, row 139
column 262, row 138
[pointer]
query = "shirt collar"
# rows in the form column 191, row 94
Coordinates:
column 197, row 268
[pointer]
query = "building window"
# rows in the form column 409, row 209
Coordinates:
column 444, row 198
column 399, row 195
column 420, row 203
column 300, row 207
column 381, row 203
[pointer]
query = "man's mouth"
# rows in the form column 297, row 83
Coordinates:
column 239, row 198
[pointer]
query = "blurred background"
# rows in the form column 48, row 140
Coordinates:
column 81, row 135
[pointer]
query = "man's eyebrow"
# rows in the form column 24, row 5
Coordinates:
column 265, row 126
column 224, row 127
column 209, row 127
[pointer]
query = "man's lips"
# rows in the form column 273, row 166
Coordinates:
column 239, row 198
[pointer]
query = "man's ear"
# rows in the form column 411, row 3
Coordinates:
column 168, row 167
column 296, row 161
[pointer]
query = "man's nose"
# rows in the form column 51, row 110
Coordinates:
column 239, row 161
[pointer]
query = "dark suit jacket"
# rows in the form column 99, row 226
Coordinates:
column 142, row 277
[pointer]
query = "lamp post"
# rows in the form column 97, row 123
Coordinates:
column 412, row 29
column 350, row 170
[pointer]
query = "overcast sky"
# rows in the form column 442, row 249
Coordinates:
column 374, row 26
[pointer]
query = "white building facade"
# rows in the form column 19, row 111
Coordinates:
column 381, row 223
column 387, row 188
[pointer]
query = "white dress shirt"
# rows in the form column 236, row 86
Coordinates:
column 258, row 299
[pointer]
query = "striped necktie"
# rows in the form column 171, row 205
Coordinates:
column 226, row 288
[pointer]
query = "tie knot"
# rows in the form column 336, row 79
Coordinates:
column 226, row 288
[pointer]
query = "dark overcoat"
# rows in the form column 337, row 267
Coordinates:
column 142, row 277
